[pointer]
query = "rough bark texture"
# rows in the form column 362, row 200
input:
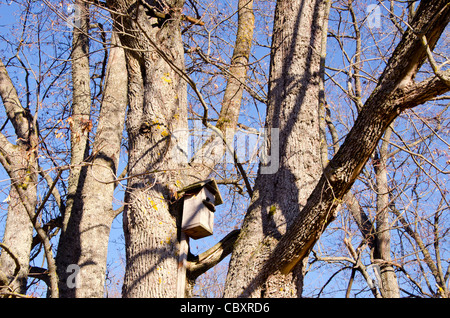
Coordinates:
column 157, row 126
column 293, row 108
column 157, row 109
column 19, row 161
column 81, row 108
column 97, row 194
column 87, row 234
column 390, row 97
column 68, row 245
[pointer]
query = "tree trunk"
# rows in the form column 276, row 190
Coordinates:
column 87, row 234
column 81, row 108
column 19, row 229
column 293, row 109
column 229, row 112
column 20, row 163
column 396, row 91
column 157, row 111
column 382, row 252
column 69, row 243
column 157, row 129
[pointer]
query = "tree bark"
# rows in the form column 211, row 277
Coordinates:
column 391, row 96
column 157, row 110
column 87, row 233
column 157, row 129
column 69, row 242
column 293, row 109
column 20, row 163
column 18, row 229
column 81, row 108
column 382, row 252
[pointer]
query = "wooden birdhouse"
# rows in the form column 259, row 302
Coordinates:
column 199, row 202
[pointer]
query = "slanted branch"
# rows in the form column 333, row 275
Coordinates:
column 199, row 264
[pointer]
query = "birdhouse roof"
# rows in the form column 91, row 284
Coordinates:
column 210, row 184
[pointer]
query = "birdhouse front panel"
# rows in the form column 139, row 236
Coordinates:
column 198, row 214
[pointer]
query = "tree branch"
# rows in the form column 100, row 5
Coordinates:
column 47, row 227
column 205, row 122
column 55, row 191
column 419, row 93
column 18, row 116
column 422, row 247
column 52, row 186
column 436, row 69
column 39, row 273
column 203, row 262
column 382, row 107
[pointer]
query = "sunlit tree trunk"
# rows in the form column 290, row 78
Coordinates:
column 82, row 249
column 157, row 110
column 292, row 108
column 19, row 161
column 395, row 92
column 68, row 245
column 87, row 235
column 157, row 129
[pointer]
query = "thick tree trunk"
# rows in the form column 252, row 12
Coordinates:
column 87, row 233
column 157, row 130
column 395, row 92
column 68, row 245
column 293, row 109
column 98, row 192
column 156, row 116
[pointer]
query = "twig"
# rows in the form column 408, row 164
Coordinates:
column 48, row 193
column 436, row 68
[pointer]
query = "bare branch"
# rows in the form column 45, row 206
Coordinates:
column 18, row 115
column 50, row 190
column 201, row 263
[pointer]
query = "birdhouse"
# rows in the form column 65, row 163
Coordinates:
column 199, row 204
